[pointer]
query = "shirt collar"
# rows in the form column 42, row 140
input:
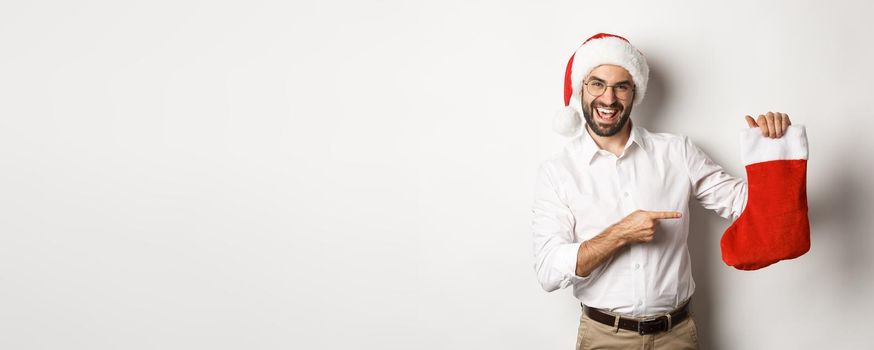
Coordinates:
column 640, row 136
column 589, row 149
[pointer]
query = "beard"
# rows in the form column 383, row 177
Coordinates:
column 606, row 130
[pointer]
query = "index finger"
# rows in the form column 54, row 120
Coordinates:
column 665, row 214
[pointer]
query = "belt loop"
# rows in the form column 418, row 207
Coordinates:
column 670, row 326
column 616, row 324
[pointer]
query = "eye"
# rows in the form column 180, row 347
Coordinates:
column 622, row 87
column 596, row 84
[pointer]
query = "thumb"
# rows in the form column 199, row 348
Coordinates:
column 752, row 122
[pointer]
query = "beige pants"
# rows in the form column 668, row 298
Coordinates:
column 596, row 335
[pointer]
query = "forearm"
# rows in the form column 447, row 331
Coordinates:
column 594, row 252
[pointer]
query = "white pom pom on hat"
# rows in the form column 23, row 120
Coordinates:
column 567, row 122
column 601, row 48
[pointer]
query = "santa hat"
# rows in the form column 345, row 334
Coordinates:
column 601, row 48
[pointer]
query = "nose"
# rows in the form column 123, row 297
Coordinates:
column 608, row 97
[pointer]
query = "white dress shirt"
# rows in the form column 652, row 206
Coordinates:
column 583, row 190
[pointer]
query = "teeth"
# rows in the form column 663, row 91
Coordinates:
column 606, row 111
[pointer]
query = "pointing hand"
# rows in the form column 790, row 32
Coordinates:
column 639, row 226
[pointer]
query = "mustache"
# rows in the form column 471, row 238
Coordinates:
column 615, row 105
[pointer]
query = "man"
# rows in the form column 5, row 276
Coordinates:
column 611, row 210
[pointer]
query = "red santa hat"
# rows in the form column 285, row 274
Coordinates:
column 601, row 48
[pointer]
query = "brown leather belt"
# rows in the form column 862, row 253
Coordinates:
column 650, row 326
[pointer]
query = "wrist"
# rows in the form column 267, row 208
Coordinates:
column 617, row 236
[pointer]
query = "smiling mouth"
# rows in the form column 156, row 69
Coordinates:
column 607, row 115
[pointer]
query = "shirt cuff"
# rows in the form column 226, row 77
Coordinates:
column 568, row 257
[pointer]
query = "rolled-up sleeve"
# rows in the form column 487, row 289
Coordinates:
column 555, row 252
column 712, row 186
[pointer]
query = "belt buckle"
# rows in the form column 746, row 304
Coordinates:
column 640, row 328
column 655, row 321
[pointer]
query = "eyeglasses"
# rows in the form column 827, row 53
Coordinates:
column 597, row 88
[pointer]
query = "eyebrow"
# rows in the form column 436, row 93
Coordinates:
column 602, row 80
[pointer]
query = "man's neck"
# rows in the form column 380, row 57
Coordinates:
column 614, row 144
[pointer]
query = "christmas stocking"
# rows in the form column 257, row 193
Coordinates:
column 774, row 224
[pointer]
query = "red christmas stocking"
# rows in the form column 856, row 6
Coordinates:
column 774, row 224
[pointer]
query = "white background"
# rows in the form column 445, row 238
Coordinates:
column 359, row 175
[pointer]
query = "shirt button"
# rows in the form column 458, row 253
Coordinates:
column 640, row 303
column 636, row 266
column 625, row 194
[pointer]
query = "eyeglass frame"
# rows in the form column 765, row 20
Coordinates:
column 594, row 80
